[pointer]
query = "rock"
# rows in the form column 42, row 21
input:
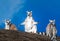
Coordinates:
column 11, row 35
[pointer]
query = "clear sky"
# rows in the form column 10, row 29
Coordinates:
column 42, row 10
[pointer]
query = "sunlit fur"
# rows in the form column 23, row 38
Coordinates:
column 9, row 26
column 29, row 23
column 51, row 29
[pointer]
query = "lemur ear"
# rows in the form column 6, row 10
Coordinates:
column 9, row 19
column 54, row 20
column 49, row 20
column 27, row 12
column 5, row 20
column 31, row 11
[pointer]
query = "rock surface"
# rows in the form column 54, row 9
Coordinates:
column 9, row 35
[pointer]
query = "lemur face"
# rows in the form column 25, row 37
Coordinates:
column 52, row 21
column 29, row 13
column 7, row 22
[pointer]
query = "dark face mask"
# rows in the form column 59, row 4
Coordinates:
column 8, row 23
column 29, row 15
column 52, row 23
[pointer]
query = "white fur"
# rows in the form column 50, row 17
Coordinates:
column 6, row 25
column 51, row 29
column 30, row 25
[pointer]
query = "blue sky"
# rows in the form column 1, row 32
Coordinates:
column 42, row 10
